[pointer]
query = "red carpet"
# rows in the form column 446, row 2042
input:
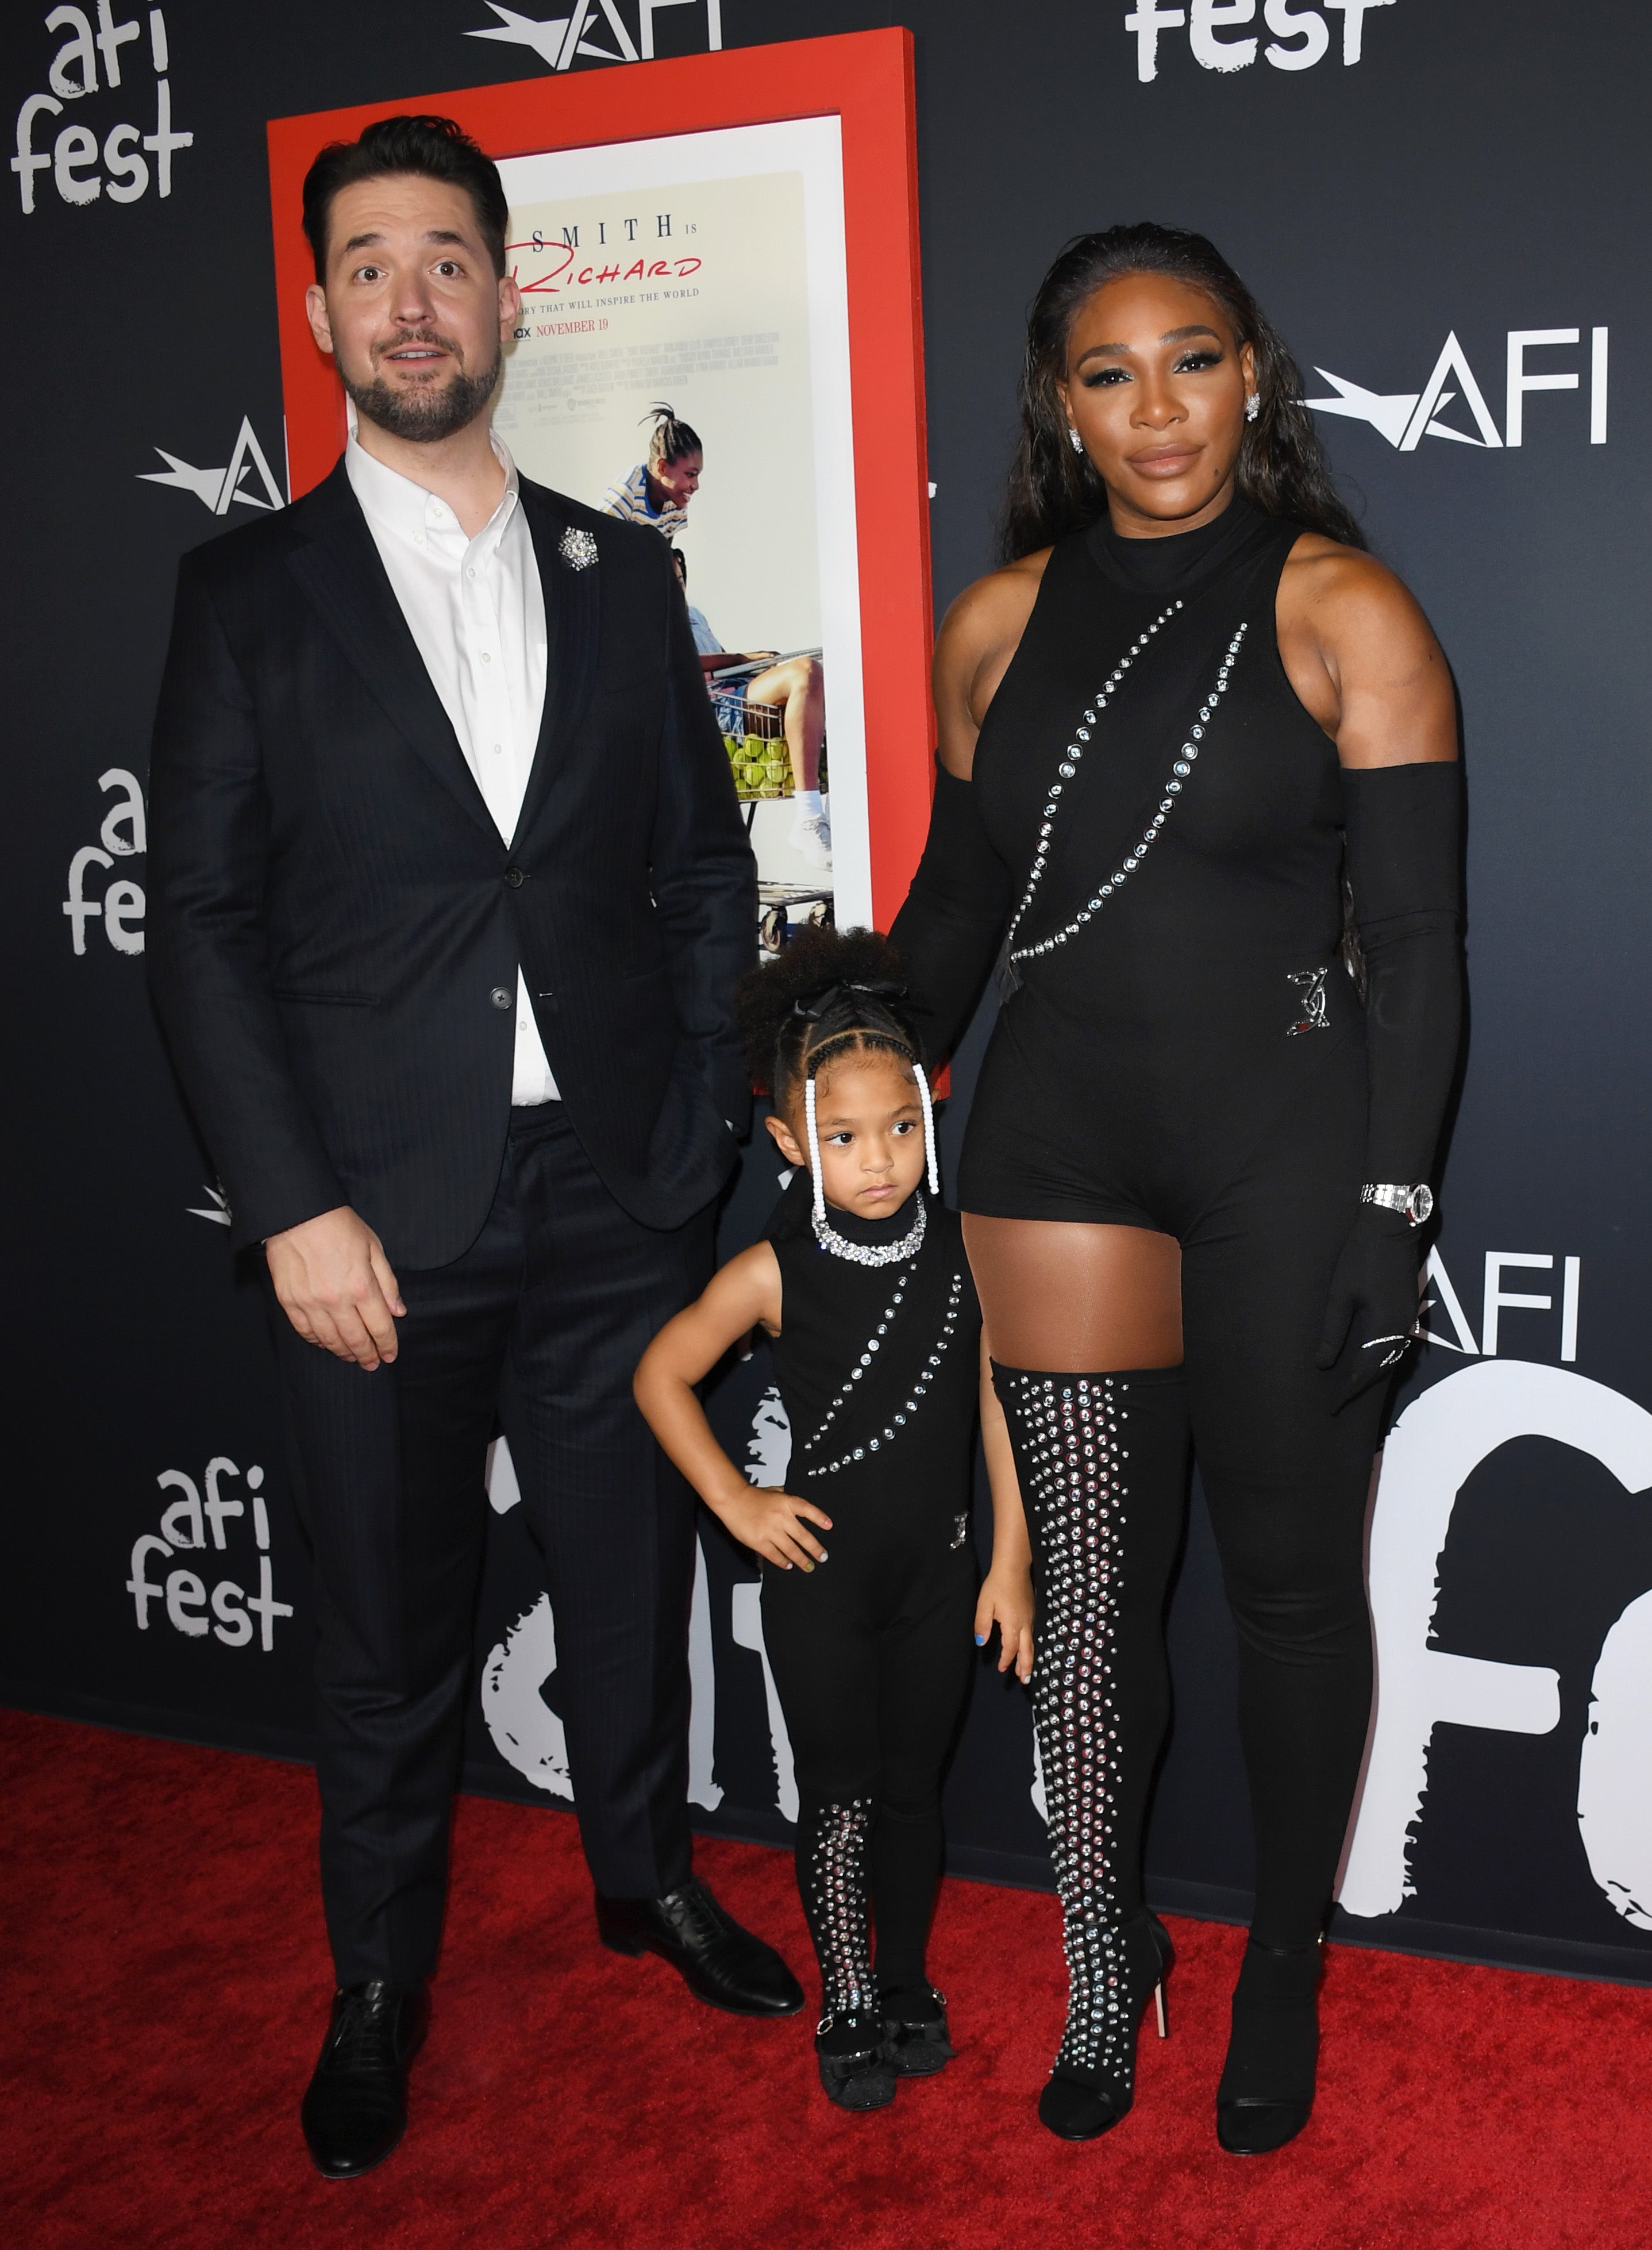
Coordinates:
column 165, row 1984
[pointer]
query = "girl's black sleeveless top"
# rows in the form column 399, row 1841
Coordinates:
column 878, row 1370
column 1172, row 815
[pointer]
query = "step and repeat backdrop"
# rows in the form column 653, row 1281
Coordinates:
column 1441, row 203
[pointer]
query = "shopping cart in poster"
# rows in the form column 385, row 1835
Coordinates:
column 754, row 734
column 783, row 909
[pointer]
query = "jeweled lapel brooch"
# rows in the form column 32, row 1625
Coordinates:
column 578, row 549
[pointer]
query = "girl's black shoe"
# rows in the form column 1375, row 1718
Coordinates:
column 854, row 2065
column 1266, row 2094
column 916, row 2038
column 1078, row 2104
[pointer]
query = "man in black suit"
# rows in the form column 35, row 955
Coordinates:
column 450, row 892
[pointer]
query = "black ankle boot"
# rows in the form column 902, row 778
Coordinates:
column 1081, row 2101
column 854, row 2065
column 1266, row 2094
column 916, row 2038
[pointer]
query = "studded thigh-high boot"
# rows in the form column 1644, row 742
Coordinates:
column 1102, row 1461
column 832, row 1840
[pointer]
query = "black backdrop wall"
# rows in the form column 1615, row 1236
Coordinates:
column 1438, row 200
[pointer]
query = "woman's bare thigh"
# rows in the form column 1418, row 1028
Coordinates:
column 1076, row 1298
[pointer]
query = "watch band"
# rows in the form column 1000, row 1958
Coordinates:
column 1415, row 1203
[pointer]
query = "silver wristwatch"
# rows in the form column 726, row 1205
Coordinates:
column 1415, row 1204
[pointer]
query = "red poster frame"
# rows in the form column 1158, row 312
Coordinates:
column 865, row 78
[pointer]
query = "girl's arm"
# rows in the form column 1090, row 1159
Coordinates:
column 1006, row 1594
column 745, row 1294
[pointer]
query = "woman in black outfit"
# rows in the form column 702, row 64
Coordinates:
column 1185, row 720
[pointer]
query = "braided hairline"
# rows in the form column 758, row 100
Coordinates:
column 814, row 1058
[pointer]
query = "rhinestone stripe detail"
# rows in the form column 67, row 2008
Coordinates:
column 874, row 1343
column 1071, row 759
column 898, row 1421
column 1072, row 1458
column 1181, row 769
column 837, row 1905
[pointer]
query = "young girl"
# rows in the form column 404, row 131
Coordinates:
column 868, row 1579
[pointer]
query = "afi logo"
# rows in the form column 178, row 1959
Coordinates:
column 125, row 836
column 558, row 38
column 198, row 1525
column 80, row 170
column 1301, row 36
column 217, row 488
column 1406, row 417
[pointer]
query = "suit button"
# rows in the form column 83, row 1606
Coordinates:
column 514, row 879
column 501, row 997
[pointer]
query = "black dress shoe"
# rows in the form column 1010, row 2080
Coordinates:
column 719, row 1961
column 916, row 2039
column 856, row 2067
column 355, row 2108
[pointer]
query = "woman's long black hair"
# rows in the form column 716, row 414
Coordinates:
column 1053, row 490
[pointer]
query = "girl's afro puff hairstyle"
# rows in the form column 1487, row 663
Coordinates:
column 841, row 987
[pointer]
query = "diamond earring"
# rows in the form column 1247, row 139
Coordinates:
column 1253, row 405
column 1074, row 439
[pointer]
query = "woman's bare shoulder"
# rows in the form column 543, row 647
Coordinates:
column 998, row 604
column 1363, row 658
column 1342, row 585
column 979, row 635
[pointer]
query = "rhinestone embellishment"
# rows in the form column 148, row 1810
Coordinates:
column 1181, row 768
column 837, row 1905
column 864, row 1254
column 914, row 1398
column 1067, row 768
column 1069, row 1434
column 578, row 549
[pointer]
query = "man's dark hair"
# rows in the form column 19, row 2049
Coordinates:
column 434, row 148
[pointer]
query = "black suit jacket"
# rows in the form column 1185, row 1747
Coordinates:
column 334, row 918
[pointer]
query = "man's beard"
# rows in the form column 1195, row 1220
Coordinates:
column 426, row 416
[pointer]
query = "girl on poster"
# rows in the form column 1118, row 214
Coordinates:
column 1181, row 718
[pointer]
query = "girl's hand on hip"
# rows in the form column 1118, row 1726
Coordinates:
column 1007, row 1602
column 774, row 1524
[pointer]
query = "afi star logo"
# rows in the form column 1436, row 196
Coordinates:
column 557, row 39
column 1406, row 417
column 215, row 488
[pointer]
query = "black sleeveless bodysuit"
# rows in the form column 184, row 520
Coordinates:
column 1171, row 816
column 879, row 1370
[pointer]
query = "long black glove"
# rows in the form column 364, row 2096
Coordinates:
column 1403, row 827
column 1372, row 1306
column 947, row 934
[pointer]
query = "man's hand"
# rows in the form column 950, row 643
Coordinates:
column 334, row 1284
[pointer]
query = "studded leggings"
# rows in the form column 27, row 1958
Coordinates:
column 870, row 1654
column 1101, row 1460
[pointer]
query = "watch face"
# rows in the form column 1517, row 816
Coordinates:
column 1420, row 1205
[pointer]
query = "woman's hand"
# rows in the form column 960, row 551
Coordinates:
column 1372, row 1316
column 773, row 1524
column 1007, row 1602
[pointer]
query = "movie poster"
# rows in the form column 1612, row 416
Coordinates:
column 705, row 272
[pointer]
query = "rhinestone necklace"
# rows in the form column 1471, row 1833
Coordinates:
column 897, row 1422
column 866, row 1253
column 1181, row 769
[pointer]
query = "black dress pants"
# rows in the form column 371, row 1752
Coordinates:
column 542, row 1321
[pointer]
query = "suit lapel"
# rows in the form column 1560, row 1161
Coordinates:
column 338, row 566
column 572, row 590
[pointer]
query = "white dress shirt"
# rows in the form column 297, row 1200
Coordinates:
column 476, row 610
